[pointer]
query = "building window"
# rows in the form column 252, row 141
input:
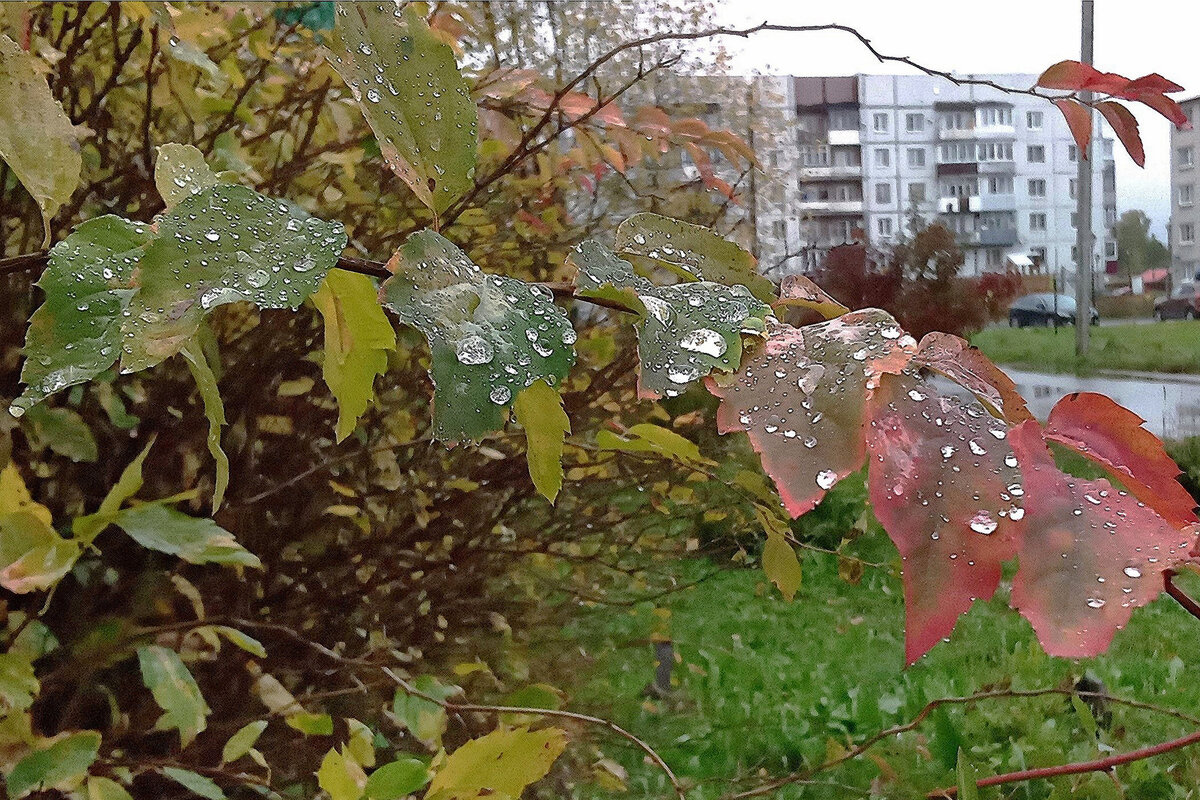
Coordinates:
column 1110, row 216
column 1185, row 157
column 916, row 193
column 914, row 123
column 994, row 151
column 885, row 226
column 883, row 157
column 1110, row 249
column 883, row 193
column 1036, row 154
column 916, row 156
column 1037, row 222
column 1072, row 152
column 1073, row 188
column 879, row 122
column 1000, row 184
column 1033, row 120
column 993, row 115
column 843, row 120
column 1185, row 194
column 957, row 153
column 1187, row 233
column 957, row 121
column 1037, row 187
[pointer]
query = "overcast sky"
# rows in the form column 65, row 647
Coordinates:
column 1133, row 37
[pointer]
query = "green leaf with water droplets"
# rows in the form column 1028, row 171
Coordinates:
column 414, row 98
column 37, row 139
column 175, row 691
column 76, row 333
column 685, row 331
column 223, row 244
column 539, row 409
column 180, row 172
column 358, row 336
column 692, row 252
column 490, row 336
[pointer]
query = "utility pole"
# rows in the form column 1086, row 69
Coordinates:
column 1083, row 195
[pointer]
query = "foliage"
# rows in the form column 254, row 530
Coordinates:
column 1163, row 347
column 918, row 282
column 204, row 266
column 1139, row 250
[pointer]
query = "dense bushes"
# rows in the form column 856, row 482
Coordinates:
column 918, row 282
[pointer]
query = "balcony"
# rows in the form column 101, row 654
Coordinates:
column 958, row 205
column 831, row 206
column 831, row 172
column 957, row 168
column 990, row 237
column 843, row 137
column 997, row 202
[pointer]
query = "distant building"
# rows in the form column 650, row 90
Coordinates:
column 1185, row 213
column 879, row 153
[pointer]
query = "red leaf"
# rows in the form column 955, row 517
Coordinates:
column 1079, row 118
column 1152, row 83
column 1077, row 76
column 1168, row 108
column 1123, row 122
column 1113, row 436
column 1089, row 554
column 797, row 290
column 943, row 483
column 802, row 396
column 967, row 366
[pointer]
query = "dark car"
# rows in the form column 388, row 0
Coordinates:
column 1045, row 309
column 1183, row 303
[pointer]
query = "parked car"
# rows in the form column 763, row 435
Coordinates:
column 1183, row 303
column 1044, row 309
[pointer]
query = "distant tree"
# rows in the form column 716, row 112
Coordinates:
column 918, row 282
column 1137, row 249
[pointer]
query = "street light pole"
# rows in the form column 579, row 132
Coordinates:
column 1083, row 208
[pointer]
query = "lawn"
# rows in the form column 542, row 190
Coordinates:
column 1159, row 347
column 767, row 687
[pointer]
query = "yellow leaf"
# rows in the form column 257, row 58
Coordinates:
column 781, row 565
column 357, row 338
column 15, row 497
column 504, row 762
column 539, row 410
column 341, row 777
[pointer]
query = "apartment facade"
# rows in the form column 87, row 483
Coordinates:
column 1185, row 186
column 879, row 154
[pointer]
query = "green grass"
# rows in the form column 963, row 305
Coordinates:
column 766, row 687
column 1159, row 347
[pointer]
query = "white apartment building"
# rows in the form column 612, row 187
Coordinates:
column 875, row 152
column 1185, row 212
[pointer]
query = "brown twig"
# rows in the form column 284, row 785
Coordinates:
column 1179, row 595
column 34, row 262
column 1099, row 765
column 650, row 752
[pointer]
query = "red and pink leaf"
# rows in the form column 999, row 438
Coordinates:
column 1079, row 120
column 802, row 399
column 945, row 486
column 1089, row 554
column 955, row 358
column 1076, row 76
column 1153, row 84
column 1112, row 436
column 1167, row 107
column 1126, row 127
